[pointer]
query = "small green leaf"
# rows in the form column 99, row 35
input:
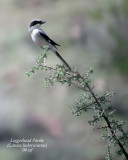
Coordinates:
column 28, row 74
column 91, row 70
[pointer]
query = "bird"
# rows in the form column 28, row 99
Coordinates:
column 42, row 39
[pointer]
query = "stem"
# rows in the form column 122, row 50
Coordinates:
column 108, row 123
column 99, row 104
column 106, row 119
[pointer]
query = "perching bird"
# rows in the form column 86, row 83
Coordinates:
column 41, row 39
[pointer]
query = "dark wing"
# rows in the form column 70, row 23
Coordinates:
column 47, row 38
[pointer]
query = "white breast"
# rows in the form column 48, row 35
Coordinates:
column 34, row 35
column 40, row 41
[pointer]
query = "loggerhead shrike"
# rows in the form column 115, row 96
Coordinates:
column 41, row 39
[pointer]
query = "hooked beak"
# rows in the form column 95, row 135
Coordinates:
column 43, row 22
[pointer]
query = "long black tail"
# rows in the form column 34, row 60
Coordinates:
column 63, row 61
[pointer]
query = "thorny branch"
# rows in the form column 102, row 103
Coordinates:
column 62, row 75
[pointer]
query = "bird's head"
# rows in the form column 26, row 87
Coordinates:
column 35, row 24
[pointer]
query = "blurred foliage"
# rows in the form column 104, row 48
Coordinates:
column 119, row 32
column 113, row 132
column 89, row 35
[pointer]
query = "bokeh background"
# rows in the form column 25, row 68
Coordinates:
column 91, row 33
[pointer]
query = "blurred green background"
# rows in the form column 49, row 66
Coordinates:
column 91, row 33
